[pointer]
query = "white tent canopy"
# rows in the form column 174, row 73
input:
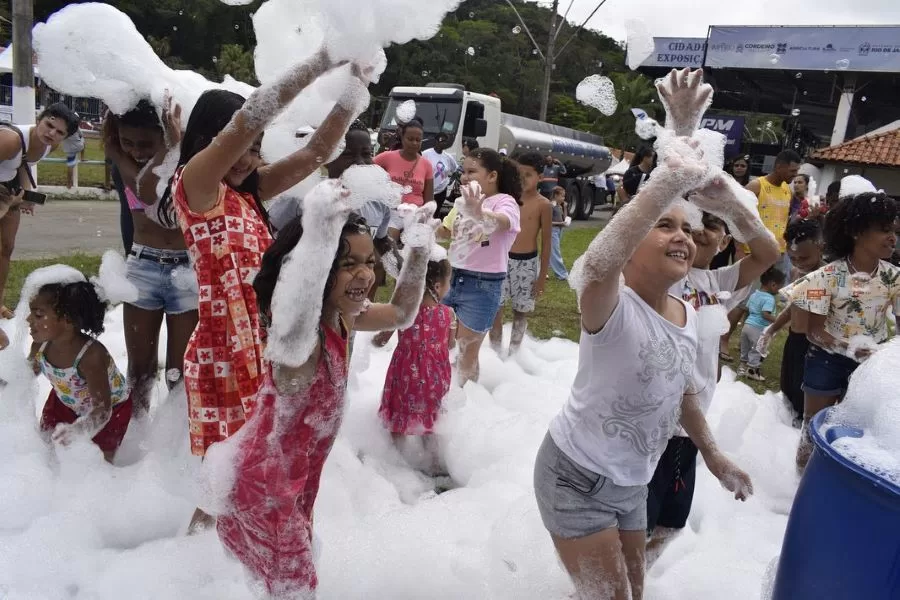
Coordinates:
column 6, row 62
column 618, row 169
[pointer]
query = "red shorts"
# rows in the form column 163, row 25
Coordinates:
column 109, row 438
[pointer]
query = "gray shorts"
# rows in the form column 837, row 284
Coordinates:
column 518, row 287
column 574, row 502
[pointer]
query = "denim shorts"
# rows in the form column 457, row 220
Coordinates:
column 150, row 270
column 575, row 502
column 475, row 297
column 826, row 374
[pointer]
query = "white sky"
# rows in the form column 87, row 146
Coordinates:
column 690, row 18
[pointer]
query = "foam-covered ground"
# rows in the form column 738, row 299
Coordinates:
column 74, row 527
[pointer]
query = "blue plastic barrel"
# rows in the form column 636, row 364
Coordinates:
column 843, row 535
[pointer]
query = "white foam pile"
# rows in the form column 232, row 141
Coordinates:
column 111, row 283
column 598, row 91
column 370, row 182
column 84, row 529
column 852, row 185
column 872, row 404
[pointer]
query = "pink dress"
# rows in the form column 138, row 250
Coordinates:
column 418, row 377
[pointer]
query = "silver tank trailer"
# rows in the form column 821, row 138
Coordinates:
column 583, row 153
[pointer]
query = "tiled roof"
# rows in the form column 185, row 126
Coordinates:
column 881, row 150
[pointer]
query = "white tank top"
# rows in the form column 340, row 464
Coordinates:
column 10, row 168
column 625, row 402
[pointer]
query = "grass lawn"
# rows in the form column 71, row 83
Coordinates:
column 88, row 175
column 555, row 315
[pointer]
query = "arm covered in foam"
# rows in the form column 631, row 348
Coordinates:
column 595, row 275
column 685, row 98
column 401, row 312
column 94, row 367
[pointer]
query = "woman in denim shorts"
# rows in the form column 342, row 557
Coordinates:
column 157, row 262
column 479, row 252
column 846, row 299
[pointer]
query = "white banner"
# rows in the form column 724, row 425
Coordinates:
column 676, row 53
column 875, row 49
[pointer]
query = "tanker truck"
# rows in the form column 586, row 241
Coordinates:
column 449, row 108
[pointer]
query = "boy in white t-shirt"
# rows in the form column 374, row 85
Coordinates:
column 671, row 491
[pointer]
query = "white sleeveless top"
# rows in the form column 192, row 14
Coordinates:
column 625, row 402
column 10, row 168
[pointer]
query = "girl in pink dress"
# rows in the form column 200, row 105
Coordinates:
column 419, row 375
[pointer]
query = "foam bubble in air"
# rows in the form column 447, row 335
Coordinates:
column 640, row 42
column 111, row 283
column 406, row 111
column 371, row 182
column 598, row 91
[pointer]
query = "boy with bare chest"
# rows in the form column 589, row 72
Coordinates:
column 527, row 269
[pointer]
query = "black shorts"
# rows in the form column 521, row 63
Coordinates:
column 671, row 491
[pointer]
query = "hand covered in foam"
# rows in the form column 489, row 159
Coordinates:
column 685, row 98
column 64, row 434
column 764, row 341
column 420, row 227
column 737, row 206
column 682, row 169
column 730, row 476
column 472, row 198
column 327, row 203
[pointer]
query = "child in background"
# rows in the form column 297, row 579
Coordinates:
column 329, row 257
column 804, row 246
column 90, row 397
column 847, row 300
column 418, row 377
column 559, row 221
column 526, row 272
column 761, row 307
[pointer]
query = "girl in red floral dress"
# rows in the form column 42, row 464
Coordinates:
column 218, row 190
column 418, row 377
column 314, row 282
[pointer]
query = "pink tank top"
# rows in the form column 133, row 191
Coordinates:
column 133, row 202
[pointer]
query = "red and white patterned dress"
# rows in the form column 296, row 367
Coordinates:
column 223, row 362
column 418, row 377
column 282, row 451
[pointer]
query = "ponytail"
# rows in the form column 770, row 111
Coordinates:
column 507, row 170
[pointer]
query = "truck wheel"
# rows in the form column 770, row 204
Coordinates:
column 576, row 202
column 588, row 198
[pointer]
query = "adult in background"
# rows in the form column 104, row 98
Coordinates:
column 410, row 169
column 550, row 178
column 444, row 165
column 638, row 173
column 21, row 147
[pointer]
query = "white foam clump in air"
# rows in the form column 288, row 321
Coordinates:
column 647, row 128
column 370, row 182
column 852, row 185
column 598, row 91
column 872, row 405
column 639, row 42
column 111, row 282
column 406, row 111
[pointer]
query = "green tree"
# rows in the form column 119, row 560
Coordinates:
column 236, row 61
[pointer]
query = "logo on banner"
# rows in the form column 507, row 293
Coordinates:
column 864, row 48
column 781, row 48
column 740, row 48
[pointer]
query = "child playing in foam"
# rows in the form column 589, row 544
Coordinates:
column 326, row 257
column 638, row 348
column 418, row 377
column 89, row 396
column 761, row 312
column 847, row 299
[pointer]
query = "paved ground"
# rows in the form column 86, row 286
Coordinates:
column 92, row 226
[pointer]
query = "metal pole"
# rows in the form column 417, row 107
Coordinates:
column 23, row 67
column 549, row 62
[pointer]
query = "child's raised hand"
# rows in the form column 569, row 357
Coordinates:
column 171, row 120
column 720, row 195
column 420, row 226
column 328, row 202
column 685, row 98
column 472, row 198
column 682, row 168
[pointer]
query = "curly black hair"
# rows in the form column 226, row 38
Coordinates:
column 77, row 303
column 801, row 230
column 772, row 275
column 287, row 240
column 855, row 215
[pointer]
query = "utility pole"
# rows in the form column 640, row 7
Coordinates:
column 23, row 67
column 549, row 57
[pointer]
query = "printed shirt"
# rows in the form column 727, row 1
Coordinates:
column 488, row 253
column 72, row 389
column 444, row 167
column 412, row 174
column 853, row 303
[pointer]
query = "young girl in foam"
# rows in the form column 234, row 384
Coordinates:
column 847, row 300
column 89, row 396
column 638, row 348
column 138, row 142
column 418, row 377
column 483, row 227
column 313, row 281
column 218, row 190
